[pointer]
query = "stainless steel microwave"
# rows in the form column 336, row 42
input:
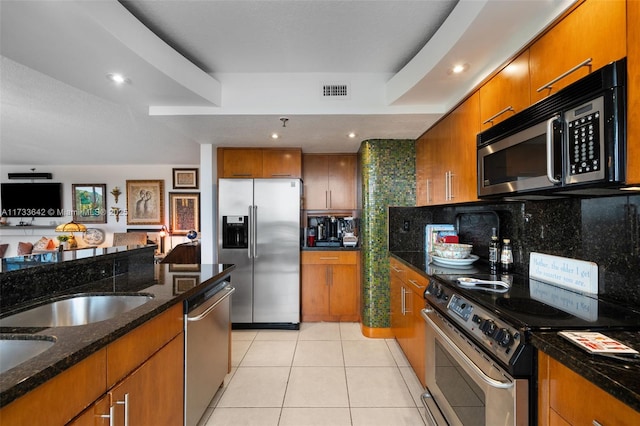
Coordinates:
column 573, row 141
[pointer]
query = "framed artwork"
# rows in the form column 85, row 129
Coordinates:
column 184, row 212
column 184, row 267
column 185, row 178
column 182, row 283
column 89, row 202
column 145, row 202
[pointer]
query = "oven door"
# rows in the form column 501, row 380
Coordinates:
column 464, row 387
column 525, row 161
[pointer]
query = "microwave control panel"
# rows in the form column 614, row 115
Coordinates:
column 585, row 147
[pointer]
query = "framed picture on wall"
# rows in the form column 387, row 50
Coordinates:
column 89, row 202
column 182, row 283
column 185, row 178
column 184, row 212
column 145, row 202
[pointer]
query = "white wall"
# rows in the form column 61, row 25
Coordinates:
column 112, row 176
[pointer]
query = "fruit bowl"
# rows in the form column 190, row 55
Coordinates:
column 452, row 250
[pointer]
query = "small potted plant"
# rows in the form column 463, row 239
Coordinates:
column 63, row 241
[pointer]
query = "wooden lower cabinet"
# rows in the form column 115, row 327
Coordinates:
column 330, row 286
column 407, row 325
column 151, row 395
column 566, row 398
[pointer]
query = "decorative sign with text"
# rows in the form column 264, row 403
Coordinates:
column 569, row 273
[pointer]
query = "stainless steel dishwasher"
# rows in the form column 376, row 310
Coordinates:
column 207, row 320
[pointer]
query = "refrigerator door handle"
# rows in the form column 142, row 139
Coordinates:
column 250, row 232
column 255, row 232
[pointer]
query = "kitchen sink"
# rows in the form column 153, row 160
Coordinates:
column 76, row 310
column 16, row 350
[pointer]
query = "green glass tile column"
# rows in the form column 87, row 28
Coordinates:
column 387, row 175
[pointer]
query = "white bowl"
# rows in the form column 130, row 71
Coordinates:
column 452, row 250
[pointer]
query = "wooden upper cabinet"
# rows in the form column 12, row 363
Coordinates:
column 329, row 181
column 252, row 163
column 506, row 93
column 596, row 29
column 462, row 165
column 282, row 163
column 633, row 92
column 239, row 163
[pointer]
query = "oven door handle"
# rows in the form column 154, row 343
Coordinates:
column 488, row 380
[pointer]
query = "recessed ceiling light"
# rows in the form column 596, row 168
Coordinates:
column 351, row 135
column 118, row 78
column 458, row 68
column 274, row 136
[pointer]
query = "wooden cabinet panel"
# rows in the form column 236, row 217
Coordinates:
column 282, row 163
column 579, row 36
column 565, row 397
column 135, row 347
column 462, row 166
column 329, row 181
column 57, row 401
column 96, row 415
column 506, row 93
column 633, row 92
column 330, row 286
column 239, row 163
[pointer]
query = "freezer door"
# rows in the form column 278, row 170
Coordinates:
column 235, row 197
column 276, row 291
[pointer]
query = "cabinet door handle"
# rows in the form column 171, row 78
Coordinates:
column 326, row 199
column 126, row 408
column 281, row 175
column 549, row 85
column 396, row 269
column 403, row 302
column 451, row 175
column 428, row 190
column 330, row 204
column 329, row 258
column 109, row 416
column 493, row 117
column 415, row 284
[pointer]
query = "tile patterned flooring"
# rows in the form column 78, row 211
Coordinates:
column 325, row 374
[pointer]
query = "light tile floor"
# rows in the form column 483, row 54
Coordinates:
column 324, row 374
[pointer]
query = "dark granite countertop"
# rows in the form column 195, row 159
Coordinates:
column 619, row 378
column 75, row 343
column 329, row 248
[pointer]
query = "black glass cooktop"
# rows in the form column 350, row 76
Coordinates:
column 540, row 306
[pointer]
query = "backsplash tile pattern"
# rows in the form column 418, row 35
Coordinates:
column 387, row 170
column 603, row 230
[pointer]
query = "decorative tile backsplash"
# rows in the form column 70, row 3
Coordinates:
column 387, row 169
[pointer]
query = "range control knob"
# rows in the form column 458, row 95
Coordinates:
column 439, row 292
column 504, row 338
column 488, row 327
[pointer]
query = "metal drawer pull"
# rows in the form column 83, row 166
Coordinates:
column 126, row 408
column 596, row 423
column 329, row 258
column 585, row 63
column 229, row 291
column 109, row 416
column 415, row 283
column 493, row 117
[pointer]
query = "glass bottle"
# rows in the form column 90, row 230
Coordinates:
column 506, row 256
column 494, row 250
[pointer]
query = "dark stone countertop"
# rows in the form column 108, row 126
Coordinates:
column 620, row 379
column 76, row 343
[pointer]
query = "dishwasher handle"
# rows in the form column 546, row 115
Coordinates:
column 228, row 291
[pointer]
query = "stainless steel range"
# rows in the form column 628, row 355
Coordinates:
column 481, row 366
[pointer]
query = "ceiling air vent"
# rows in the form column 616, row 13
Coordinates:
column 335, row 91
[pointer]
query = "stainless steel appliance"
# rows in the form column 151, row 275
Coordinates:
column 572, row 141
column 267, row 274
column 206, row 319
column 481, row 366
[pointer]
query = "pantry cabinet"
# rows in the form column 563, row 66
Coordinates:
column 407, row 325
column 446, row 157
column 330, row 286
column 252, row 163
column 594, row 30
column 567, row 398
column 329, row 181
column 506, row 93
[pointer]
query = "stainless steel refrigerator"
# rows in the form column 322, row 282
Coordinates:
column 259, row 232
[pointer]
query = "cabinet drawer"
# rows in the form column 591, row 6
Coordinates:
column 131, row 350
column 416, row 281
column 329, row 257
column 398, row 269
